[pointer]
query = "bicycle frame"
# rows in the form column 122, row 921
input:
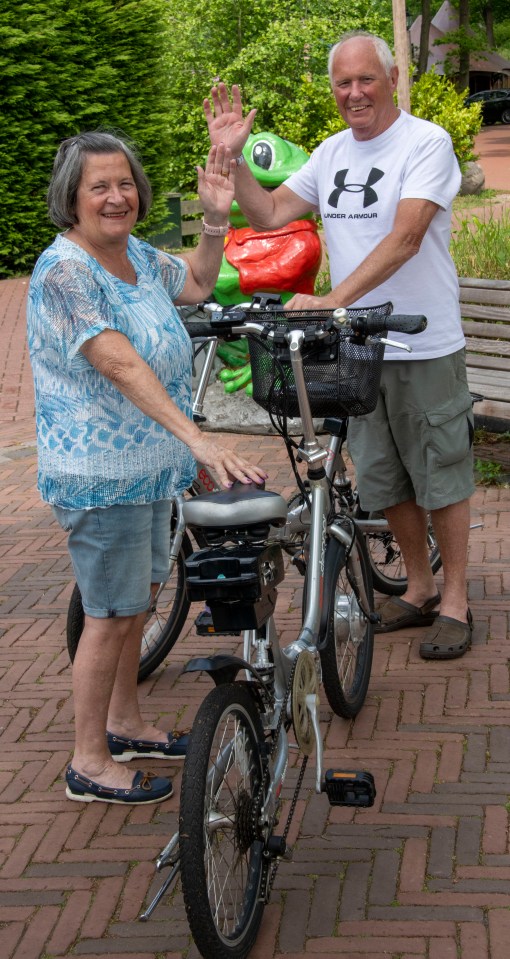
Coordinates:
column 266, row 665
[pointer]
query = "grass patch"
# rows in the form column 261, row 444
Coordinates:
column 475, row 199
column 486, row 437
column 488, row 473
column 482, row 248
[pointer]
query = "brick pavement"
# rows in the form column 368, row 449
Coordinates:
column 424, row 873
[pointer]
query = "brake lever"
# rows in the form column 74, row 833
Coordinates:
column 382, row 339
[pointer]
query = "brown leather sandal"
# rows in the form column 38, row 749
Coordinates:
column 448, row 639
column 396, row 613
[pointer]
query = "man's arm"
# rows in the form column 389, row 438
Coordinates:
column 267, row 209
column 412, row 220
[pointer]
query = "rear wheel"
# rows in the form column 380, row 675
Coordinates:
column 346, row 656
column 505, row 116
column 387, row 563
column 221, row 850
column 164, row 623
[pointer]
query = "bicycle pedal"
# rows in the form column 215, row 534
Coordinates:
column 347, row 788
column 204, row 626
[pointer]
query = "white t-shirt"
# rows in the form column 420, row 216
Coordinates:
column 356, row 186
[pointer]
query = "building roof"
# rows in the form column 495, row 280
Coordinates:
column 446, row 19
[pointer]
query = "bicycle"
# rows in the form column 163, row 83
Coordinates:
column 170, row 607
column 226, row 848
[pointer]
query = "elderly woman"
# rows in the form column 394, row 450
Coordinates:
column 112, row 372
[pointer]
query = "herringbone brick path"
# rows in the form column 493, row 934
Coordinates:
column 425, row 873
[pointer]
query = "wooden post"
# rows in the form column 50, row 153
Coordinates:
column 401, row 53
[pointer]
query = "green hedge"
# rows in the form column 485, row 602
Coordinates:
column 434, row 98
column 68, row 66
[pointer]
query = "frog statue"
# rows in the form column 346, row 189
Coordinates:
column 284, row 261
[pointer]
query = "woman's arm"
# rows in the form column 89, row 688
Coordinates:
column 216, row 186
column 111, row 353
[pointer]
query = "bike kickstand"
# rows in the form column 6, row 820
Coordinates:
column 160, row 893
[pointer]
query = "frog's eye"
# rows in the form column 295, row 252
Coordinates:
column 263, row 155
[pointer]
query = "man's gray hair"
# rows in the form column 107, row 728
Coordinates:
column 382, row 49
column 68, row 171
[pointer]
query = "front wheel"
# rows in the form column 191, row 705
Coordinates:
column 221, row 850
column 164, row 622
column 505, row 116
column 346, row 653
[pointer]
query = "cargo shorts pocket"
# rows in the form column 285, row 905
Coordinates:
column 450, row 432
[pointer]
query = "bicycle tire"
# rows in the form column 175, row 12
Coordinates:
column 387, row 563
column 347, row 651
column 221, row 859
column 164, row 621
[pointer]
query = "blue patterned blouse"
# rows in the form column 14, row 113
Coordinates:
column 95, row 447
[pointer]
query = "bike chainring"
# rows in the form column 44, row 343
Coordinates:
column 305, row 682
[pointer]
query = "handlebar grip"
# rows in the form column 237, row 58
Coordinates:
column 406, row 323
column 198, row 329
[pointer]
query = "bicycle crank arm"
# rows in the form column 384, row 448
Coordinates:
column 312, row 702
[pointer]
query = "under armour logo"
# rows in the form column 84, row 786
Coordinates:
column 366, row 188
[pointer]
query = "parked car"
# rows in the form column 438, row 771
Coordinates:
column 495, row 105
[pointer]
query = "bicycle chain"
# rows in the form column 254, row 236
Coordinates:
column 276, row 862
column 268, row 878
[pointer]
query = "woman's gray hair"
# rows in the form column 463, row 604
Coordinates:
column 68, row 170
column 382, row 49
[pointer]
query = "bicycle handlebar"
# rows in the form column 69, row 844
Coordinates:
column 226, row 322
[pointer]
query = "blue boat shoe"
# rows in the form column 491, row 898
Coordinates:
column 146, row 788
column 123, row 750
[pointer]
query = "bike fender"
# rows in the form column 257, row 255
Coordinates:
column 223, row 668
column 333, row 548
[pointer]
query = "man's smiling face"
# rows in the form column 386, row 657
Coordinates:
column 362, row 89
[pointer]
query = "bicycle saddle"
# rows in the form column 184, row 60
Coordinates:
column 245, row 505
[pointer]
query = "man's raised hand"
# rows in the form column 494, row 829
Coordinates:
column 225, row 119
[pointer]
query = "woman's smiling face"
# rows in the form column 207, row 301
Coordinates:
column 106, row 200
column 362, row 88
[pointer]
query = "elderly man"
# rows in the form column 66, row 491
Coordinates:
column 384, row 189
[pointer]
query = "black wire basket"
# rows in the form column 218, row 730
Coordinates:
column 342, row 378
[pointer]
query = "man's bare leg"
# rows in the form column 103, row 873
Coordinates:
column 451, row 526
column 409, row 523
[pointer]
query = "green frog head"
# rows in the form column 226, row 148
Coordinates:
column 271, row 160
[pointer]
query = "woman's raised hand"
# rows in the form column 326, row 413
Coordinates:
column 225, row 118
column 216, row 184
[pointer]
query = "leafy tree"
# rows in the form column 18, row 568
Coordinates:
column 68, row 66
column 277, row 53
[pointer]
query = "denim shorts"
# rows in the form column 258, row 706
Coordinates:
column 417, row 444
column 117, row 552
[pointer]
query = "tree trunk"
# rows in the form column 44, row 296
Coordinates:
column 426, row 19
column 488, row 19
column 463, row 78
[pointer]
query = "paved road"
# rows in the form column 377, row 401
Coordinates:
column 425, row 874
column 493, row 148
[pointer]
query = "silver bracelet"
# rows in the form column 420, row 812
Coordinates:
column 214, row 230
